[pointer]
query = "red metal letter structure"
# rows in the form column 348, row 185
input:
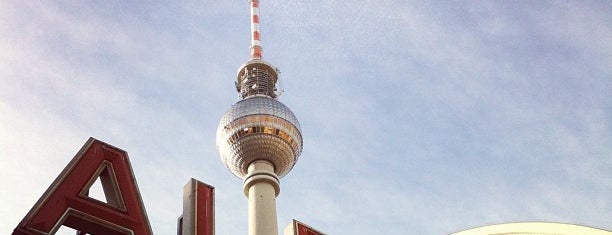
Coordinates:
column 198, row 216
column 299, row 228
column 66, row 201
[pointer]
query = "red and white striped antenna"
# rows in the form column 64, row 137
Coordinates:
column 257, row 77
column 255, row 41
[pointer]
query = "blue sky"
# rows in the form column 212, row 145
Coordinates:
column 418, row 117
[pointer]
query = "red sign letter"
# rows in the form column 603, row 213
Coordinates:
column 66, row 201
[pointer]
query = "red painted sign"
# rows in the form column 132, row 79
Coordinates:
column 198, row 209
column 299, row 228
column 66, row 201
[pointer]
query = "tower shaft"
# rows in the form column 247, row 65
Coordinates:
column 261, row 187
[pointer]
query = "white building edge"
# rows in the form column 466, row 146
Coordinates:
column 534, row 228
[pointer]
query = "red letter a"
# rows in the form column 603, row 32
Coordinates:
column 66, row 201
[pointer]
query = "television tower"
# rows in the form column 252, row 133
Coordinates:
column 259, row 138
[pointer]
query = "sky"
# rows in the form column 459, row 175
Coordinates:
column 418, row 117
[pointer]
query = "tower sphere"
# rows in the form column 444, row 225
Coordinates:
column 259, row 128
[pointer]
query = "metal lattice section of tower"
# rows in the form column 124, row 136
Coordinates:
column 257, row 81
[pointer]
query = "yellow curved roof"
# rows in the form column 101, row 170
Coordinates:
column 534, row 228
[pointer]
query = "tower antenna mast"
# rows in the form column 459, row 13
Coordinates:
column 256, row 51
